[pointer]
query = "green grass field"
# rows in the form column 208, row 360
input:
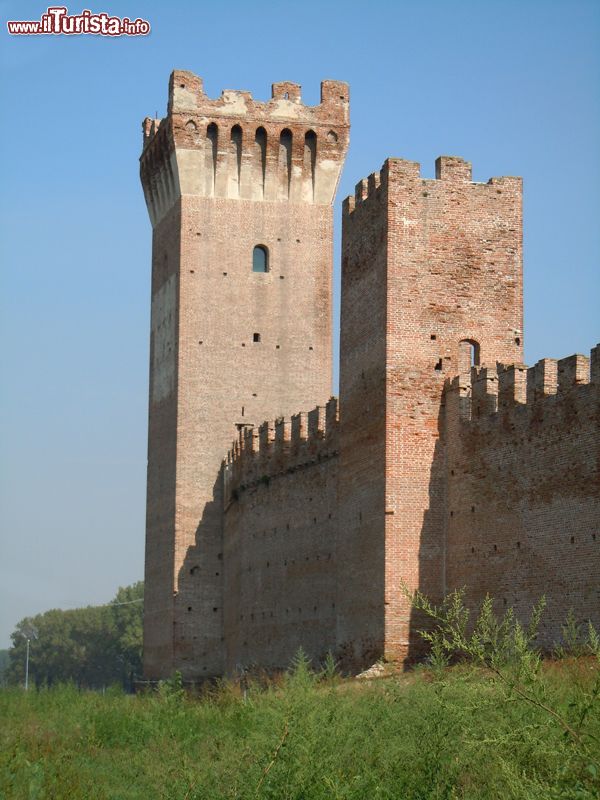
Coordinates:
column 445, row 733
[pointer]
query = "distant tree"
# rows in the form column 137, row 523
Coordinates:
column 4, row 661
column 94, row 646
column 127, row 623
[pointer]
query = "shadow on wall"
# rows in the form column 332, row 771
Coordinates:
column 521, row 505
column 199, row 636
column 432, row 544
column 198, row 606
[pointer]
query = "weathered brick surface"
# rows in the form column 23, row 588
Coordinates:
column 279, row 541
column 162, row 444
column 523, row 511
column 427, row 264
column 436, row 474
column 361, row 543
column 220, row 177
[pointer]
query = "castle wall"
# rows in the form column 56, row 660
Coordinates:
column 361, row 545
column 455, row 266
column 440, row 266
column 306, row 535
column 249, row 345
column 523, row 489
column 280, row 525
column 162, row 438
column 229, row 379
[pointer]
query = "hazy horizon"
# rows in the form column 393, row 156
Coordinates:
column 514, row 87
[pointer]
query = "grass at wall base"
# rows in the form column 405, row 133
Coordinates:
column 487, row 718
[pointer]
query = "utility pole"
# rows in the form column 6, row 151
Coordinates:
column 27, row 667
column 29, row 633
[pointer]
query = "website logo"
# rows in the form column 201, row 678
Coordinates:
column 57, row 21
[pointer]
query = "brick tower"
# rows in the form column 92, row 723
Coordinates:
column 431, row 283
column 240, row 197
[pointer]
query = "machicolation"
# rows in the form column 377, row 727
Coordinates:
column 445, row 462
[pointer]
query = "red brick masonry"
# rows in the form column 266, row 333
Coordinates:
column 442, row 469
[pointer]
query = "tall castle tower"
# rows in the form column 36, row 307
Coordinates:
column 240, row 197
column 431, row 285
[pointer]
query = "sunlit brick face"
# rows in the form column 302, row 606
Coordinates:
column 431, row 284
column 240, row 196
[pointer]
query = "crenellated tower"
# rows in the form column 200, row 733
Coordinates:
column 450, row 463
column 240, row 195
column 431, row 284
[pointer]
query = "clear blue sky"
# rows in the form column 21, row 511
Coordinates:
column 512, row 86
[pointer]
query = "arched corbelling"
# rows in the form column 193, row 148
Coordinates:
column 212, row 136
column 260, row 139
column 236, row 142
column 310, row 158
column 285, row 159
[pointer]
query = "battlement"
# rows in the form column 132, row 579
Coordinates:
column 240, row 148
column 497, row 391
column 450, row 172
column 281, row 446
column 186, row 94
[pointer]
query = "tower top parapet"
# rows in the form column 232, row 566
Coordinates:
column 451, row 172
column 240, row 148
column 186, row 95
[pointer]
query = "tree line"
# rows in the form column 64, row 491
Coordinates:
column 93, row 647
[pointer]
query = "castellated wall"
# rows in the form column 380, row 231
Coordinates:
column 279, row 541
column 236, row 345
column 237, row 147
column 361, row 555
column 431, row 277
column 523, row 510
column 306, row 534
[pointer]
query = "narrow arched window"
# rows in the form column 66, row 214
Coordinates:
column 212, row 135
column 261, row 145
column 310, row 159
column 468, row 355
column 285, row 162
column 260, row 259
column 236, row 144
